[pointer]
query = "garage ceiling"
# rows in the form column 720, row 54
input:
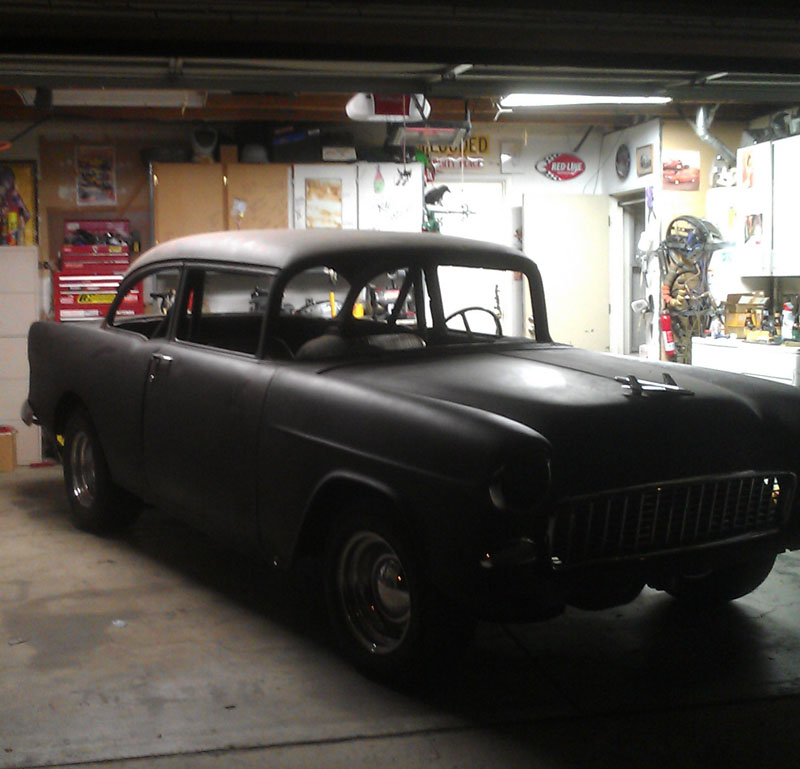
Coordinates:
column 301, row 61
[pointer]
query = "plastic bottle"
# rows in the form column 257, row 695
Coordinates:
column 787, row 320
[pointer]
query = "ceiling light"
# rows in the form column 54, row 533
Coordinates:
column 118, row 97
column 567, row 100
column 439, row 133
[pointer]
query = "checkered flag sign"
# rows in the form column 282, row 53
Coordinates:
column 560, row 166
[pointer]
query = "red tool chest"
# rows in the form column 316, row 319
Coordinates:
column 94, row 258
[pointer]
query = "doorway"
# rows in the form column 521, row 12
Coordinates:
column 633, row 225
column 568, row 238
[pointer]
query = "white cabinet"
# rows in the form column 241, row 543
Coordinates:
column 754, row 209
column 785, row 221
column 777, row 363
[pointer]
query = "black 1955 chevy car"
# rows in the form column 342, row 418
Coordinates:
column 355, row 396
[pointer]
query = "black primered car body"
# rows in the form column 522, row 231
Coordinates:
column 523, row 473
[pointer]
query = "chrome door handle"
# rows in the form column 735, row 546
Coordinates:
column 157, row 361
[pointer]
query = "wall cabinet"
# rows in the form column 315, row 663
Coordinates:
column 189, row 198
column 786, row 223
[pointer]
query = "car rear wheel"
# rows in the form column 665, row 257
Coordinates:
column 96, row 503
column 387, row 618
column 725, row 584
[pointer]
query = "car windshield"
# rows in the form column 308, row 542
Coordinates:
column 328, row 312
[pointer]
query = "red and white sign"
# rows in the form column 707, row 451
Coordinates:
column 452, row 163
column 560, row 166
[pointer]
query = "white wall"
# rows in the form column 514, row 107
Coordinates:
column 643, row 135
column 19, row 307
column 533, row 143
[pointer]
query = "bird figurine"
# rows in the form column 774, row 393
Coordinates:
column 434, row 197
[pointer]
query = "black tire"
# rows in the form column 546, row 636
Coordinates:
column 725, row 584
column 389, row 621
column 96, row 503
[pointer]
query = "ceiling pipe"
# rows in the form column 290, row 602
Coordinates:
column 702, row 124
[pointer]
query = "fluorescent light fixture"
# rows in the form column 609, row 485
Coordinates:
column 568, row 100
column 118, row 97
column 440, row 133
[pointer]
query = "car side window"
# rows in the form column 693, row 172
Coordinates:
column 311, row 301
column 224, row 309
column 318, row 292
column 145, row 304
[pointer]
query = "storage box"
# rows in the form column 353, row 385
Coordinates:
column 746, row 303
column 8, row 449
column 228, row 153
column 741, row 308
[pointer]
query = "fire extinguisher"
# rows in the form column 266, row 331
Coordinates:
column 666, row 335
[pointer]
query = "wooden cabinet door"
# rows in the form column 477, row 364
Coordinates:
column 187, row 198
column 257, row 196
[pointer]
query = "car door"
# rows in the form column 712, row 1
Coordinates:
column 116, row 374
column 203, row 399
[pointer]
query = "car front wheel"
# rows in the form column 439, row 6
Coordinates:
column 96, row 503
column 387, row 618
column 725, row 584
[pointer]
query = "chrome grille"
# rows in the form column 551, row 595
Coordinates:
column 668, row 516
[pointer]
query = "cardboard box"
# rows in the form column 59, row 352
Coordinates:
column 8, row 449
column 746, row 302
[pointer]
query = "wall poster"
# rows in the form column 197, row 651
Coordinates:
column 325, row 196
column 18, row 210
column 324, row 203
column 95, row 175
column 680, row 170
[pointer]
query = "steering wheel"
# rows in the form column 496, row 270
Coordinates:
column 463, row 313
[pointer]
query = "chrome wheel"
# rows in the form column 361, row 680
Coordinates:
column 374, row 592
column 84, row 470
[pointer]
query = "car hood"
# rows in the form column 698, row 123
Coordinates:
column 602, row 434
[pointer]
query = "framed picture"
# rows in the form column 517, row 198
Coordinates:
column 644, row 160
column 18, row 208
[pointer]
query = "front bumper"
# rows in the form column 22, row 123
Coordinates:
column 600, row 550
column 531, row 589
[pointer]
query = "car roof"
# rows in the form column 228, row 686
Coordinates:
column 343, row 249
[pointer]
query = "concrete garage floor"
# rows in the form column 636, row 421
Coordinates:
column 163, row 650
